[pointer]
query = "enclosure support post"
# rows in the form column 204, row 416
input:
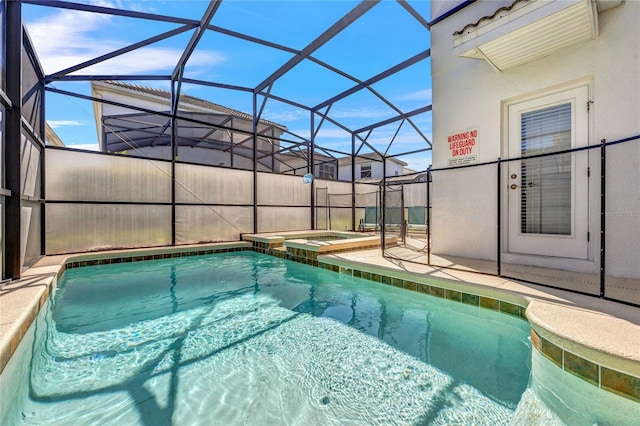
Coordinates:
column 255, row 162
column 273, row 152
column 327, row 223
column 174, row 153
column 328, row 211
column 353, row 182
column 13, row 131
column 429, row 216
column 310, row 169
column 603, row 216
column 43, row 195
column 231, row 139
column 403, row 219
column 498, row 219
column 383, row 192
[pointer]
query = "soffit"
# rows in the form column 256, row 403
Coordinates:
column 527, row 30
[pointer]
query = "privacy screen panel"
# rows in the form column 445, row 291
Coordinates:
column 72, row 228
column 82, row 176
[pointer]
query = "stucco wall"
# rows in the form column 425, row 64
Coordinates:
column 468, row 93
column 344, row 172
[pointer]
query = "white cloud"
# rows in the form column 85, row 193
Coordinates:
column 288, row 115
column 285, row 115
column 64, row 123
column 342, row 146
column 67, row 37
column 361, row 113
column 418, row 162
column 87, row 146
column 304, row 133
column 151, row 59
column 333, row 134
column 145, row 6
column 420, row 95
column 406, row 140
column 324, row 134
column 380, row 137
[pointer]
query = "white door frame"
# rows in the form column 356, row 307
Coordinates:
column 576, row 244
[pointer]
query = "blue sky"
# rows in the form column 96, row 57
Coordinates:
column 383, row 37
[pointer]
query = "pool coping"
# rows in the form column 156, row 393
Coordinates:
column 611, row 368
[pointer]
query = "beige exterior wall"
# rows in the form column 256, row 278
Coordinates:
column 470, row 94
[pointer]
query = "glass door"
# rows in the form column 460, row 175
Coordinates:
column 548, row 195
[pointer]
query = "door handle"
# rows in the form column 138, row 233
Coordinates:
column 529, row 184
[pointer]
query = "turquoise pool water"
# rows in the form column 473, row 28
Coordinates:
column 246, row 338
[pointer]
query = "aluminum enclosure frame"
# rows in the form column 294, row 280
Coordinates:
column 12, row 97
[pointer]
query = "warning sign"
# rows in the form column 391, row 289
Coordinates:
column 463, row 147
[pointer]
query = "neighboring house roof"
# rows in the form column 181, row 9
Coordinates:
column 165, row 96
column 365, row 158
column 397, row 180
column 346, row 160
column 51, row 137
column 294, row 159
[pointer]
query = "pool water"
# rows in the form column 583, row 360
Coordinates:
column 246, row 338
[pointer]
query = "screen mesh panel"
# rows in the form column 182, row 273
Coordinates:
column 622, row 222
column 30, row 213
column 283, row 190
column 74, row 228
column 82, row 176
column 202, row 224
column 272, row 219
column 201, row 184
column 30, row 175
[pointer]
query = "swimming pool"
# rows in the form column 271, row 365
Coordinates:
column 244, row 338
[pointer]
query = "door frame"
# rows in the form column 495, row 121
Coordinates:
column 546, row 259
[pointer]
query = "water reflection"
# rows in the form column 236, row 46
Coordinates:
column 144, row 329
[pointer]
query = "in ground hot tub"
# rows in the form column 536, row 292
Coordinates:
column 305, row 246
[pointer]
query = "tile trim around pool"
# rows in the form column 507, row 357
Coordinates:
column 603, row 377
column 157, row 256
column 432, row 290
